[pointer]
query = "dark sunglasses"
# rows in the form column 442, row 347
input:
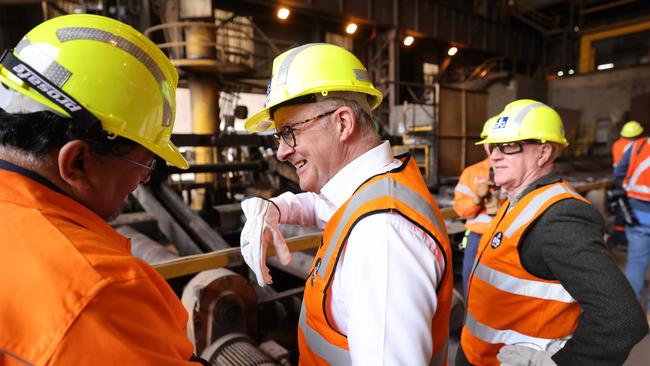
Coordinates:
column 511, row 148
column 286, row 132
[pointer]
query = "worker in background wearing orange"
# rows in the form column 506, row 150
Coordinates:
column 633, row 175
column 76, row 137
column 630, row 132
column 475, row 200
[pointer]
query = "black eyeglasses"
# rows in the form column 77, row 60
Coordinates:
column 148, row 167
column 286, row 132
column 511, row 148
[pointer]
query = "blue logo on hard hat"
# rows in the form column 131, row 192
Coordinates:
column 500, row 123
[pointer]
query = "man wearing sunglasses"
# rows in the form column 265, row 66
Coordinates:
column 379, row 290
column 76, row 137
column 544, row 290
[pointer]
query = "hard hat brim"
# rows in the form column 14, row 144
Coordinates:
column 260, row 121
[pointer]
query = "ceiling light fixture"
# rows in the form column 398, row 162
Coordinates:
column 408, row 40
column 351, row 28
column 452, row 51
column 283, row 13
column 605, row 66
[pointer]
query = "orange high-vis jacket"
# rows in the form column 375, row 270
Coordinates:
column 401, row 191
column 506, row 304
column 637, row 179
column 477, row 220
column 619, row 147
column 71, row 292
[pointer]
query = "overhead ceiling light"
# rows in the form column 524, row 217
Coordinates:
column 560, row 73
column 283, row 13
column 605, row 66
column 351, row 28
column 408, row 40
column 452, row 51
column 571, row 71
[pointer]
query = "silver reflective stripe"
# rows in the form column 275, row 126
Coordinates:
column 514, row 285
column 523, row 112
column 534, row 206
column 463, row 189
column 439, row 358
column 380, row 188
column 41, row 62
column 319, row 345
column 93, row 34
column 631, row 184
column 482, row 218
column 283, row 70
column 508, row 336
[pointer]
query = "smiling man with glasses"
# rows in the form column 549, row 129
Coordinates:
column 544, row 290
column 380, row 287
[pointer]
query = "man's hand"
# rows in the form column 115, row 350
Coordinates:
column 524, row 356
column 260, row 230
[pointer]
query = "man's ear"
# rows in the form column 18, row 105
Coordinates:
column 74, row 159
column 545, row 154
column 347, row 123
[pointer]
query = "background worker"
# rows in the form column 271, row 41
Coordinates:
column 76, row 137
column 544, row 290
column 380, row 286
column 476, row 200
column 630, row 132
column 633, row 175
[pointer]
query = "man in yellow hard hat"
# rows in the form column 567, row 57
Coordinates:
column 380, row 287
column 476, row 199
column 633, row 176
column 544, row 290
column 86, row 105
column 630, row 132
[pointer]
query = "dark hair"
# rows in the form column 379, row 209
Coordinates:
column 39, row 132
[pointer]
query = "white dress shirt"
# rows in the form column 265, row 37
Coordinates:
column 384, row 285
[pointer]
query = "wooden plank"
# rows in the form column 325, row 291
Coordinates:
column 225, row 257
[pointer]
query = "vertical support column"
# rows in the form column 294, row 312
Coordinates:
column 204, row 97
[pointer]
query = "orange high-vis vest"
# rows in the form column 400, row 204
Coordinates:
column 506, row 304
column 477, row 219
column 401, row 191
column 619, row 147
column 637, row 179
column 72, row 293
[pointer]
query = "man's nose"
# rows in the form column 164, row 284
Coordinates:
column 284, row 150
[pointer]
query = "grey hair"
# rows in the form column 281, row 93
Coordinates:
column 368, row 126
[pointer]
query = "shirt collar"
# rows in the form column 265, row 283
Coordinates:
column 343, row 184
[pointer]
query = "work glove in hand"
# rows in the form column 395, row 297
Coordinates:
column 524, row 356
column 483, row 188
column 260, row 231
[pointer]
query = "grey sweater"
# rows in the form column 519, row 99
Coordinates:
column 566, row 244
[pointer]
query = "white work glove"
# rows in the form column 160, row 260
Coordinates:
column 260, row 230
column 514, row 355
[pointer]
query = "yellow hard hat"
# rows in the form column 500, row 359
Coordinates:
column 90, row 67
column 631, row 129
column 487, row 125
column 526, row 119
column 310, row 69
